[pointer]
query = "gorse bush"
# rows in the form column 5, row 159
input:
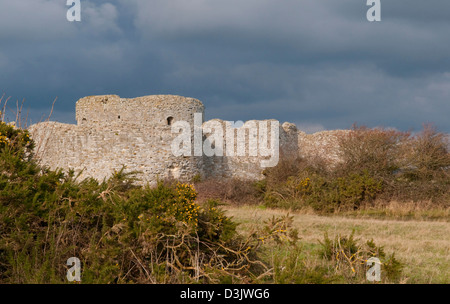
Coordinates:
column 324, row 193
column 121, row 233
column 342, row 193
column 14, row 140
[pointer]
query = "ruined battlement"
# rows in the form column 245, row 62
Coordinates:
column 139, row 133
column 154, row 110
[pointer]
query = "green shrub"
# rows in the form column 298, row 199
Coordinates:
column 345, row 193
column 120, row 232
column 324, row 193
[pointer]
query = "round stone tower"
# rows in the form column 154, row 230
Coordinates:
column 113, row 132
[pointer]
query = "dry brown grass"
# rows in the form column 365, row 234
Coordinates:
column 400, row 210
column 424, row 246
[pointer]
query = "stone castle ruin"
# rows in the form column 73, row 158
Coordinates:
column 112, row 132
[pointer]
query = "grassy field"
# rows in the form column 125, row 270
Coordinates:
column 422, row 245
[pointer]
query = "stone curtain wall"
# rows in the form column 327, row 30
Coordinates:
column 322, row 145
column 113, row 131
column 249, row 166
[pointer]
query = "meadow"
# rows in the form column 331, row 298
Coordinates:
column 422, row 245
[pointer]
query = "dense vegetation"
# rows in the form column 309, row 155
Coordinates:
column 377, row 166
column 124, row 233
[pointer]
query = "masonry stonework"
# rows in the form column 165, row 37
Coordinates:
column 112, row 132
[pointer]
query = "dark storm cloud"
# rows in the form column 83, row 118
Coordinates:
column 319, row 64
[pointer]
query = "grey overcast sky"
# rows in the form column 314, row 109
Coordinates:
column 317, row 63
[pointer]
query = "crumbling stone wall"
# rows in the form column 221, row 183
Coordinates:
column 323, row 146
column 251, row 165
column 113, row 131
